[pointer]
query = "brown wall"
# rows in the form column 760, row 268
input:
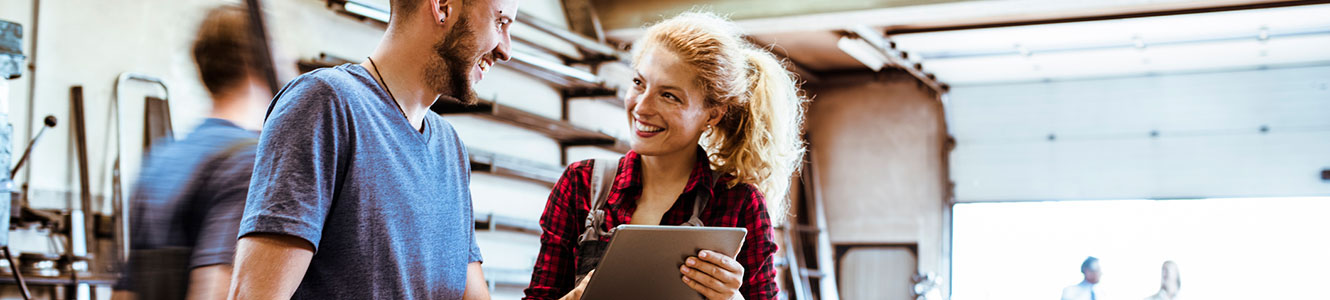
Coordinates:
column 878, row 148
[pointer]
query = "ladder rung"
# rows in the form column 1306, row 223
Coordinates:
column 811, row 273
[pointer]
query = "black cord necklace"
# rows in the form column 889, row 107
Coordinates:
column 384, row 81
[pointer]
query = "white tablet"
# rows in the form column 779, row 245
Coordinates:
column 642, row 262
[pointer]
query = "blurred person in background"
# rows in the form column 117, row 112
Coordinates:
column 191, row 193
column 716, row 124
column 1170, row 282
column 1088, row 288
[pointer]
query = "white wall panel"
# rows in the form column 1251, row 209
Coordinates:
column 507, row 197
column 1209, row 140
column 579, row 153
column 882, row 273
column 507, row 86
column 600, row 116
column 503, row 138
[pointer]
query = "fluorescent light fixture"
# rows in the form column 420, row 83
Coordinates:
column 872, row 36
column 367, row 9
column 863, row 52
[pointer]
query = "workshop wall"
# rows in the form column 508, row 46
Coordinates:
column 877, row 145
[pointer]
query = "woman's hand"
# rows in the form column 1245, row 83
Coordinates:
column 576, row 293
column 715, row 275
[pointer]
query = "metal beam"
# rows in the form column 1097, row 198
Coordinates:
column 1219, row 7
column 262, row 51
column 618, row 14
column 590, row 46
column 896, row 58
column 582, row 19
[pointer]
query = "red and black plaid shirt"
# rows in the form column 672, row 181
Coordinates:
column 565, row 214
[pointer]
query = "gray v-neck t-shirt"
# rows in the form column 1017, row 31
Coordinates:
column 387, row 208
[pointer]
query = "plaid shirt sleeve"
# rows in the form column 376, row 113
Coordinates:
column 552, row 276
column 759, row 249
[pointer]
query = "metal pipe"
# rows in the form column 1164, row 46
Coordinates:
column 18, row 276
column 120, row 207
column 258, row 35
column 48, row 123
column 32, row 80
column 85, row 196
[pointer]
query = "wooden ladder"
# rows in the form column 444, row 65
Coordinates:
column 808, row 254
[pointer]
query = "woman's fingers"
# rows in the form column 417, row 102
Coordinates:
column 586, row 279
column 715, row 275
column 721, row 260
column 576, row 293
column 723, row 276
column 690, row 278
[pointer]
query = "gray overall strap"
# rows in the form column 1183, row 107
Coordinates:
column 603, row 172
column 700, row 202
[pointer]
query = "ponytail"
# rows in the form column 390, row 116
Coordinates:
column 762, row 144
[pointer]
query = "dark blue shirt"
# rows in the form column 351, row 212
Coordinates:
column 186, row 207
column 387, row 208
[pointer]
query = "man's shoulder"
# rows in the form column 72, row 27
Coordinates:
column 327, row 81
column 343, row 72
column 321, row 93
column 1075, row 291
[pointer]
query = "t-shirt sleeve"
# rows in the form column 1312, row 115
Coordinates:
column 301, row 150
column 475, row 249
column 464, row 161
column 227, row 188
column 465, row 158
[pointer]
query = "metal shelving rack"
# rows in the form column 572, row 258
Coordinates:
column 560, row 130
column 508, row 166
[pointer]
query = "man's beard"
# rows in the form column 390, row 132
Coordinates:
column 449, row 72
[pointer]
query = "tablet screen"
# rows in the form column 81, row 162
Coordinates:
column 642, row 262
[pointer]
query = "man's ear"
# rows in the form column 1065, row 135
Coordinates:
column 441, row 10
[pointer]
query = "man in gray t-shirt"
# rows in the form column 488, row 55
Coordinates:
column 359, row 190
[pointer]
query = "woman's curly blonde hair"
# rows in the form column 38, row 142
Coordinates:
column 758, row 140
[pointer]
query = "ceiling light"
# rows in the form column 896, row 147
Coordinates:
column 863, row 52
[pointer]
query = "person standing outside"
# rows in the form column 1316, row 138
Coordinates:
column 1088, row 288
column 1170, row 282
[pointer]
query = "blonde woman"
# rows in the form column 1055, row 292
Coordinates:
column 716, row 125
